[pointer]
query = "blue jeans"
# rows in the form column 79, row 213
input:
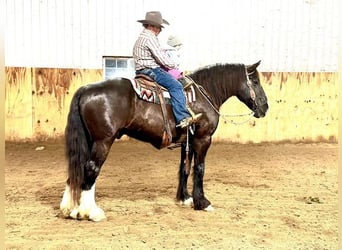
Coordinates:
column 175, row 89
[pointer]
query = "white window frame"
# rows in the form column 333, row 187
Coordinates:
column 112, row 67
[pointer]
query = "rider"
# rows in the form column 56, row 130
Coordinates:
column 151, row 60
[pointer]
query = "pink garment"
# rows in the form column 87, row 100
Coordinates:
column 176, row 73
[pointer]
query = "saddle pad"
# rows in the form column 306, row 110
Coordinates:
column 149, row 93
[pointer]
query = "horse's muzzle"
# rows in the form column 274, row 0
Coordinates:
column 261, row 110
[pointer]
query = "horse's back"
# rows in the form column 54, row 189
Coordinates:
column 113, row 90
column 111, row 85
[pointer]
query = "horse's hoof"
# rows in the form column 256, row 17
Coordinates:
column 65, row 212
column 188, row 202
column 209, row 208
column 97, row 214
column 74, row 214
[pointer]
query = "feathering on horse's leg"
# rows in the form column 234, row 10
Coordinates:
column 88, row 208
column 67, row 205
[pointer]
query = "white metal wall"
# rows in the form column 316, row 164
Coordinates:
column 287, row 35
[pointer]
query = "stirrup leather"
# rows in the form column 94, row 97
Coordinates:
column 186, row 82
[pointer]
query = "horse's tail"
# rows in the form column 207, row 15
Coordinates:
column 78, row 144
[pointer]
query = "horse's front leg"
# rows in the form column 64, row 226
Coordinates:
column 200, row 148
column 183, row 195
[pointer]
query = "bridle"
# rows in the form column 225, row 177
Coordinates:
column 224, row 116
column 249, row 84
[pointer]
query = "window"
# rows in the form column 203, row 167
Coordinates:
column 118, row 66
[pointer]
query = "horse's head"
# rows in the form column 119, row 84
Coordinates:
column 252, row 94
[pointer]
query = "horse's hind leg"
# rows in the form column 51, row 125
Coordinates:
column 87, row 208
column 183, row 195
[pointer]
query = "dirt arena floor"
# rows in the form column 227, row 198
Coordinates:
column 266, row 196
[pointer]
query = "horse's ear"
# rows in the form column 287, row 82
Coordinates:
column 251, row 68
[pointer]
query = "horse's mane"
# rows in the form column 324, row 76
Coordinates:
column 217, row 79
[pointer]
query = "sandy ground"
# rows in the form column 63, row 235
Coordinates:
column 266, row 196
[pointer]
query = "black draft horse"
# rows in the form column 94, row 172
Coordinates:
column 102, row 112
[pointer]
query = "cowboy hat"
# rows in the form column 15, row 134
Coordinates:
column 154, row 18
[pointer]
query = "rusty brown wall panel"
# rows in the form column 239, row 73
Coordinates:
column 303, row 106
column 37, row 100
column 52, row 93
column 18, row 103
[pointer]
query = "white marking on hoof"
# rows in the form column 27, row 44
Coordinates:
column 188, row 202
column 97, row 214
column 88, row 208
column 66, row 203
column 73, row 214
column 209, row 208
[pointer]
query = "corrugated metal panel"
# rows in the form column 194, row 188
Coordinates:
column 293, row 35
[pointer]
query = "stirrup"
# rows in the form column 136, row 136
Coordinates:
column 194, row 116
column 186, row 122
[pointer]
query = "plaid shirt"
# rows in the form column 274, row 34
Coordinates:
column 147, row 52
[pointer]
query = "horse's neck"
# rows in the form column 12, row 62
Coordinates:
column 220, row 82
column 218, row 96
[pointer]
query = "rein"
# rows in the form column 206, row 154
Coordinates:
column 224, row 116
column 237, row 123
